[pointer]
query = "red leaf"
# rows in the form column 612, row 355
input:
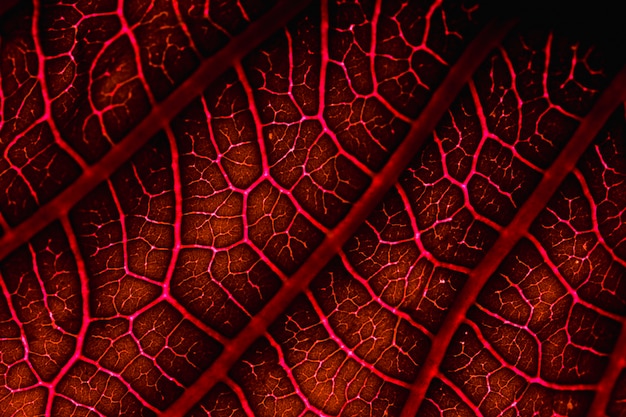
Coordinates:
column 348, row 208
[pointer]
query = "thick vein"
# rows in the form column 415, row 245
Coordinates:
column 421, row 130
column 156, row 120
column 614, row 95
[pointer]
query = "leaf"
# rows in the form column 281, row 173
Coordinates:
column 344, row 208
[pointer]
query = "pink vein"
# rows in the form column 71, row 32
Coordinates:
column 158, row 119
column 614, row 95
column 80, row 338
column 458, row 76
column 617, row 363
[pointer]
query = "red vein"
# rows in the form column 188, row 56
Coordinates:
column 240, row 396
column 158, row 119
column 594, row 218
column 292, row 379
column 379, row 300
column 518, row 372
column 82, row 332
column 464, row 398
column 41, row 78
column 349, row 351
column 573, row 292
column 614, row 95
column 617, row 363
column 458, row 76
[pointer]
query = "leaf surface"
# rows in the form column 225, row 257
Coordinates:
column 338, row 208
